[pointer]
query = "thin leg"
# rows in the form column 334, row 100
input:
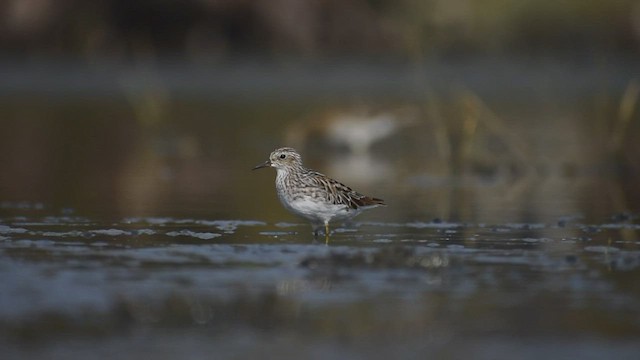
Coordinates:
column 326, row 232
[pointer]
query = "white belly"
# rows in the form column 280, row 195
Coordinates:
column 317, row 212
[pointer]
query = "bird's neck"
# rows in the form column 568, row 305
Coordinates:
column 285, row 175
column 281, row 174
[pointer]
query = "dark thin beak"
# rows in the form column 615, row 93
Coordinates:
column 265, row 164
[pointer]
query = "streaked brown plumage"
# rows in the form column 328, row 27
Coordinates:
column 312, row 195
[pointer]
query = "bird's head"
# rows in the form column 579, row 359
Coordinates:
column 282, row 158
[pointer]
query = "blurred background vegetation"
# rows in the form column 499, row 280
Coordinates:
column 125, row 105
column 219, row 30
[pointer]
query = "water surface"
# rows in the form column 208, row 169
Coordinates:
column 132, row 226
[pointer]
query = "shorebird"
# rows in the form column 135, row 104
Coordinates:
column 312, row 195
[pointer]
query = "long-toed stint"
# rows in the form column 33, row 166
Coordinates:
column 312, row 195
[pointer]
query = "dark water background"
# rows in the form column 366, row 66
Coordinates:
column 131, row 225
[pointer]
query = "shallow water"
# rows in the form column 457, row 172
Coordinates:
column 131, row 225
column 73, row 286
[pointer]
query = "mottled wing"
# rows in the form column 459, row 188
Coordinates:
column 338, row 193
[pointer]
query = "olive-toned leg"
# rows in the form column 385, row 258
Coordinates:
column 326, row 232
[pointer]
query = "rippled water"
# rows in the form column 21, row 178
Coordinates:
column 159, row 287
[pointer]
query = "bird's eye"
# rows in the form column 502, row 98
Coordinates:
column 282, row 156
